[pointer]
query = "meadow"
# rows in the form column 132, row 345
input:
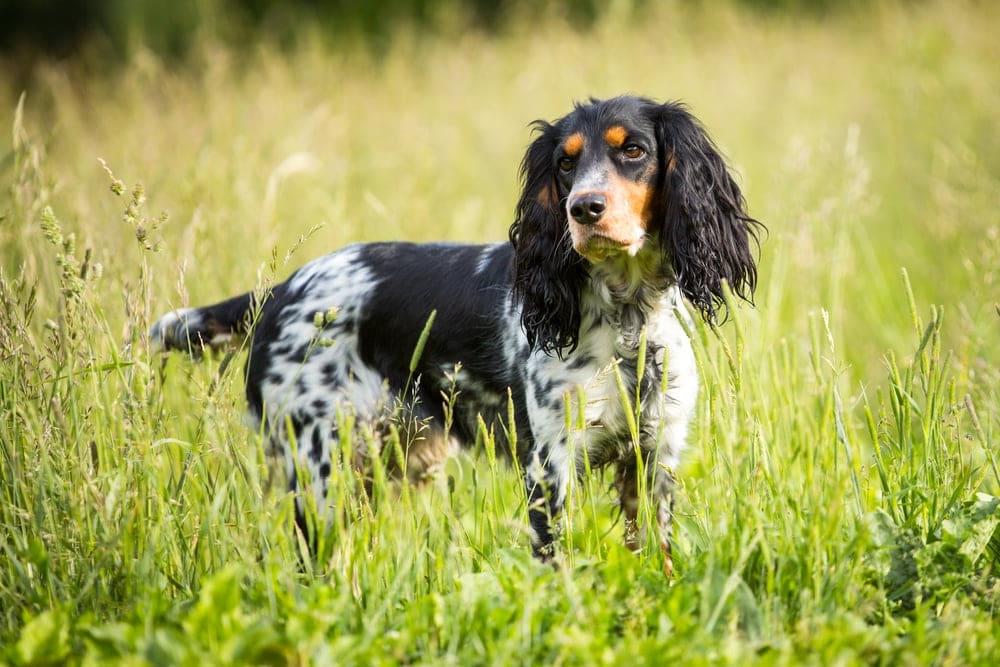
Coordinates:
column 840, row 498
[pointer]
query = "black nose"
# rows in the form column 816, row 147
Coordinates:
column 588, row 208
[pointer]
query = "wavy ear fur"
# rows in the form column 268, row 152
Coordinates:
column 548, row 274
column 706, row 229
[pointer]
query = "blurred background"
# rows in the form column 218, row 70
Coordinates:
column 171, row 28
column 864, row 134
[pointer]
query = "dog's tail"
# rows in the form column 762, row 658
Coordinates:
column 191, row 330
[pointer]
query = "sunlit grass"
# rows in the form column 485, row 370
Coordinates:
column 828, row 510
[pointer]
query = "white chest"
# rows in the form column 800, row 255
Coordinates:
column 595, row 397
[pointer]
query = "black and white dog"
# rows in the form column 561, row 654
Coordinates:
column 626, row 208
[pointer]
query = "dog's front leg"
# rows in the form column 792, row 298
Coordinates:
column 627, row 483
column 670, row 414
column 546, row 477
column 660, row 484
column 661, row 487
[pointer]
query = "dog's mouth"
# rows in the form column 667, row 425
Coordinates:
column 598, row 247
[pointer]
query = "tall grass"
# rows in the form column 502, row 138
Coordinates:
column 838, row 500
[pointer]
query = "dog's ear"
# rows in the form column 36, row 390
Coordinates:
column 706, row 232
column 548, row 273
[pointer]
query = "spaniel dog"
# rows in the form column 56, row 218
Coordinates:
column 571, row 335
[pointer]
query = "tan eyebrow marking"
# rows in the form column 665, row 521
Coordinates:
column 573, row 144
column 615, row 136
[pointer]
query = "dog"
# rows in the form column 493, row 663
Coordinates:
column 626, row 209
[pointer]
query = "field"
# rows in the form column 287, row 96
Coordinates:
column 840, row 498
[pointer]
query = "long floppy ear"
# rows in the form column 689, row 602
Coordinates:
column 548, row 273
column 706, row 232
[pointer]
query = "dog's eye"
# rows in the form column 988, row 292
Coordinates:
column 566, row 163
column 633, row 151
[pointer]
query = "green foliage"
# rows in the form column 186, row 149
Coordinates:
column 173, row 28
column 839, row 500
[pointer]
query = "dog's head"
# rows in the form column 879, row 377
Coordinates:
column 611, row 179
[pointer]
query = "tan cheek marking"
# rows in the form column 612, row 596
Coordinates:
column 615, row 136
column 638, row 198
column 573, row 144
column 672, row 162
column 547, row 196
